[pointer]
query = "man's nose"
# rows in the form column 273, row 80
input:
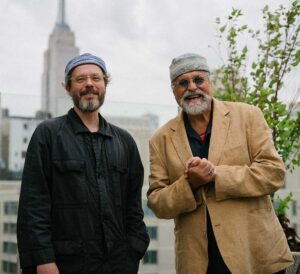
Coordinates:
column 89, row 81
column 192, row 86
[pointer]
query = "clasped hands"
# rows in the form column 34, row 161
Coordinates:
column 199, row 172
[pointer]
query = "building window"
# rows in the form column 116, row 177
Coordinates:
column 10, row 228
column 152, row 231
column 150, row 257
column 11, row 208
column 147, row 211
column 9, row 248
column 23, row 154
column 294, row 208
column 25, row 126
column 295, row 226
column 25, row 140
column 9, row 267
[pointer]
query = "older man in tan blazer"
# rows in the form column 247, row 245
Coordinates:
column 213, row 169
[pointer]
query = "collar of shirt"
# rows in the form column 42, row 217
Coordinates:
column 79, row 127
column 191, row 132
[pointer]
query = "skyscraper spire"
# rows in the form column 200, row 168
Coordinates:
column 61, row 16
column 61, row 49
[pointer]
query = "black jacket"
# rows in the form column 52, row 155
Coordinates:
column 59, row 219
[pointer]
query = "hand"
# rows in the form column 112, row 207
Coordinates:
column 199, row 172
column 50, row 268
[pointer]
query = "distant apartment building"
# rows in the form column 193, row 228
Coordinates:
column 16, row 132
column 9, row 196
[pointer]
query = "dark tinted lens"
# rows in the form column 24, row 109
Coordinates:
column 183, row 83
column 198, row 80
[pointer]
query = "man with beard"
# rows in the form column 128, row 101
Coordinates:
column 80, row 202
column 213, row 169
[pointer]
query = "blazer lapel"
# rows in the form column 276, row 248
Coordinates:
column 180, row 140
column 219, row 134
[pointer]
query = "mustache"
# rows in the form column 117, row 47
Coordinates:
column 88, row 91
column 196, row 92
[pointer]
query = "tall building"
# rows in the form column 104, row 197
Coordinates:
column 9, row 196
column 2, row 165
column 15, row 133
column 60, row 50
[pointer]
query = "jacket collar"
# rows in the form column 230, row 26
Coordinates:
column 79, row 127
column 220, row 128
column 219, row 132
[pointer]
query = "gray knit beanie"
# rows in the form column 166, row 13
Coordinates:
column 186, row 63
column 82, row 59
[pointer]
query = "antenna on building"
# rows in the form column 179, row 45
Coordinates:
column 61, row 16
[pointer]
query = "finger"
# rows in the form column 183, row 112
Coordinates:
column 211, row 171
column 185, row 171
column 203, row 162
column 188, row 162
column 196, row 161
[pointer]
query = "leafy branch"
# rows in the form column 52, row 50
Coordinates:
column 274, row 56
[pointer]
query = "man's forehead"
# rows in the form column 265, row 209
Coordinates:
column 193, row 73
column 87, row 68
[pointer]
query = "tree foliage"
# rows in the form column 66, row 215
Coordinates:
column 281, row 207
column 256, row 74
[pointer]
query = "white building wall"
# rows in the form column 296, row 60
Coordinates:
column 19, row 133
column 9, row 194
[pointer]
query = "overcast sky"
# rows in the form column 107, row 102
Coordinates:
column 136, row 38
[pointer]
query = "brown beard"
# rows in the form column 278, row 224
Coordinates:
column 91, row 105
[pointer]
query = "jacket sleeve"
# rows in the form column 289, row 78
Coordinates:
column 168, row 199
column 135, row 226
column 263, row 176
column 33, row 224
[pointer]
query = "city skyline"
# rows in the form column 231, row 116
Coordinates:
column 135, row 40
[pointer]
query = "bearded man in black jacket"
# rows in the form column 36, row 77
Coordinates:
column 80, row 203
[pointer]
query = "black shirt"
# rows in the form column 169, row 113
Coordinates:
column 200, row 148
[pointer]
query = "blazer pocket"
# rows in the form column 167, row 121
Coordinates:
column 237, row 154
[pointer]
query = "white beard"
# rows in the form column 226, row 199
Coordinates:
column 197, row 108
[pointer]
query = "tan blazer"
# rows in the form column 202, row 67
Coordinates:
column 248, row 170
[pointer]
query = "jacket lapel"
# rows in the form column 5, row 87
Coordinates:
column 180, row 140
column 220, row 127
column 219, row 135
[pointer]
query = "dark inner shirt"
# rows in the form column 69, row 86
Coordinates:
column 97, row 160
column 200, row 149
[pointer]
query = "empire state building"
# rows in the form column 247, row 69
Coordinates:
column 61, row 48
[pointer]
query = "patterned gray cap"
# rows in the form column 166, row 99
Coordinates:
column 186, row 63
column 82, row 59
